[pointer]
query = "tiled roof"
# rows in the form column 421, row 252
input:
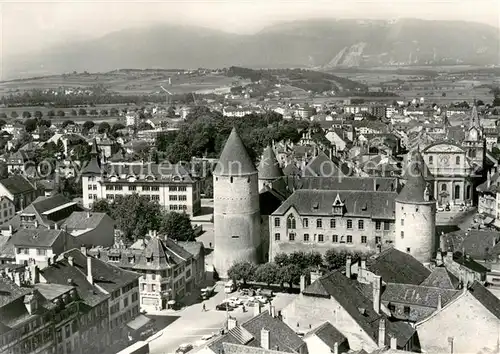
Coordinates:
column 346, row 293
column 17, row 184
column 328, row 334
column 395, row 266
column 476, row 243
column 486, row 298
column 37, row 237
column 269, row 167
column 280, row 335
column 52, row 291
column 415, row 187
column 440, row 277
column 469, row 263
column 376, row 205
column 322, row 166
column 234, row 159
column 193, row 247
column 10, row 292
column 231, row 348
column 82, row 220
column 417, row 295
column 142, row 172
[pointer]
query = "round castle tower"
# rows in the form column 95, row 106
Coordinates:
column 236, row 207
column 269, row 168
column 416, row 216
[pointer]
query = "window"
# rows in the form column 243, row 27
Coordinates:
column 321, row 238
column 173, row 207
column 402, row 234
column 94, row 187
column 306, row 237
column 110, row 196
column 305, row 222
column 335, row 238
column 363, row 239
column 378, row 240
column 181, row 188
column 118, row 188
column 431, row 160
column 402, row 222
column 406, row 310
column 319, row 223
column 457, row 160
column 172, row 197
column 391, row 307
column 349, row 238
column 408, row 249
column 109, row 188
column 277, row 236
column 90, row 187
column 155, row 188
column 155, row 197
column 444, row 187
column 135, row 297
column 277, row 222
column 172, row 188
column 387, row 226
column 290, row 222
column 361, row 224
column 125, row 302
column 231, row 179
column 333, row 223
column 67, row 331
column 457, row 192
column 291, row 237
column 183, row 197
column 349, row 224
column 132, row 188
column 378, row 225
column 41, row 252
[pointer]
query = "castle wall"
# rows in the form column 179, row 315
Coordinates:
column 237, row 221
column 416, row 229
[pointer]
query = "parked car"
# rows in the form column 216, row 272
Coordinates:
column 224, row 307
column 184, row 348
column 248, row 292
column 262, row 299
column 235, row 301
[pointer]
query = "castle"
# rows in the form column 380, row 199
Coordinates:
column 359, row 214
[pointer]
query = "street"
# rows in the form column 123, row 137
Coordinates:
column 194, row 323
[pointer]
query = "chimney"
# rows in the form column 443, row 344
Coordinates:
column 34, row 274
column 69, row 281
column 439, row 305
column 315, row 275
column 264, row 338
column 83, row 249
column 17, row 278
column 11, row 230
column 377, row 284
column 88, row 214
column 450, row 344
column 348, row 262
column 231, row 323
column 303, row 283
column 70, row 261
column 89, row 270
column 30, row 303
column 54, row 259
column 56, row 227
column 394, row 343
column 449, row 256
column 49, row 261
column 374, row 184
column 336, row 348
column 488, row 179
column 36, row 224
column 381, row 333
column 256, row 309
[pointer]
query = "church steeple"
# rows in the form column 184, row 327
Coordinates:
column 94, row 165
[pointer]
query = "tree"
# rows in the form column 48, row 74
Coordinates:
column 66, row 123
column 93, row 112
column 135, row 215
column 177, row 226
column 38, row 114
column 104, row 112
column 113, row 112
column 3, row 115
column 244, row 271
column 290, row 274
column 335, row 259
column 82, row 112
column 88, row 125
column 74, row 113
column 51, row 113
column 30, row 125
column 496, row 100
column 101, row 206
column 267, row 273
column 103, row 127
column 281, row 259
column 171, row 111
column 60, row 113
column 14, row 114
column 44, row 122
column 26, row 114
column 4, row 171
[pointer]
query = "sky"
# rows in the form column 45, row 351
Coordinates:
column 34, row 25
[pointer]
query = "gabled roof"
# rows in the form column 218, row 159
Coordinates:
column 269, row 167
column 322, row 166
column 234, row 159
column 476, row 243
column 17, row 184
column 351, row 299
column 328, row 335
column 395, row 266
column 377, row 205
column 417, row 295
column 486, row 298
column 440, row 277
column 37, row 237
column 231, row 348
column 82, row 220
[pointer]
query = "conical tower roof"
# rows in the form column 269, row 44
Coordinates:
column 415, row 189
column 415, row 156
column 234, row 159
column 94, row 166
column 269, row 167
column 474, row 118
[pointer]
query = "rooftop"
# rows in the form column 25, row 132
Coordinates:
column 269, row 167
column 17, row 184
column 234, row 159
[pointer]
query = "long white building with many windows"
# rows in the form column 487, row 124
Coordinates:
column 172, row 186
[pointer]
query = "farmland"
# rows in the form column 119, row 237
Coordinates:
column 127, row 82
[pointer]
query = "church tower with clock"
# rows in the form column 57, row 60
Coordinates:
column 474, row 142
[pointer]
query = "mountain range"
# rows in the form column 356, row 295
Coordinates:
column 319, row 44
